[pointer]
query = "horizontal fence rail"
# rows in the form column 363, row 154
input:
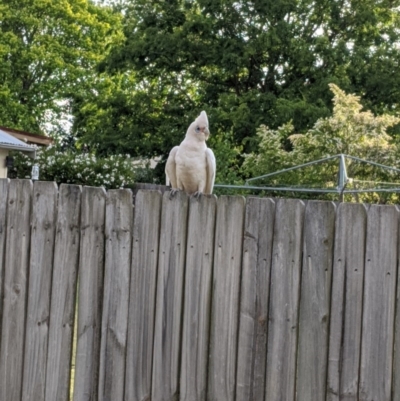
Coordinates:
column 219, row 299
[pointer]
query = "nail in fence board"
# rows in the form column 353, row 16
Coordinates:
column 171, row 268
column 379, row 304
column 44, row 218
column 315, row 290
column 15, row 289
column 62, row 309
column 118, row 231
column 225, row 298
column 197, row 298
column 346, row 303
column 253, row 316
column 4, row 182
column 90, row 296
column 146, row 230
column 284, row 300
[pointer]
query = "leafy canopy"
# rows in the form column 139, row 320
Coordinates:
column 350, row 130
column 48, row 52
column 245, row 62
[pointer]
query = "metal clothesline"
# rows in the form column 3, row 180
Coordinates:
column 340, row 189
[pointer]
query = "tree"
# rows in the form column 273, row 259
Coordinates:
column 348, row 131
column 246, row 63
column 48, row 53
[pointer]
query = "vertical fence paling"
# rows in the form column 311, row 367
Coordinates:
column 119, row 222
column 253, row 319
column 90, row 295
column 139, row 357
column 168, row 323
column 379, row 304
column 44, row 215
column 284, row 300
column 3, row 226
column 225, row 298
column 346, row 304
column 197, row 298
column 15, row 289
column 66, row 259
column 396, row 353
column 315, row 298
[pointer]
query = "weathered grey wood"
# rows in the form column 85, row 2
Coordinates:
column 396, row 354
column 346, row 303
column 284, row 300
column 90, row 296
column 4, row 182
column 168, row 323
column 253, row 315
column 63, row 292
column 44, row 215
column 15, row 289
column 379, row 304
column 144, row 186
column 197, row 298
column 315, row 298
column 139, row 357
column 119, row 222
column 225, row 298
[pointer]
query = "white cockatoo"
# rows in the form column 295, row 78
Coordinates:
column 191, row 165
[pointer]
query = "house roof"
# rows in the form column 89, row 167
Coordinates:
column 27, row 137
column 7, row 141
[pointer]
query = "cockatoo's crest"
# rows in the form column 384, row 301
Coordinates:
column 199, row 127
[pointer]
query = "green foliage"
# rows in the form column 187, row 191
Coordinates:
column 48, row 52
column 348, row 131
column 246, row 63
column 78, row 168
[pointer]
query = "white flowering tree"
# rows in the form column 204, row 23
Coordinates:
column 70, row 167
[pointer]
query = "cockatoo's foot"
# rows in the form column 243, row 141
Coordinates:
column 173, row 192
column 197, row 195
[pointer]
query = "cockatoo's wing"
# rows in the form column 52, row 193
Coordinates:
column 211, row 169
column 170, row 168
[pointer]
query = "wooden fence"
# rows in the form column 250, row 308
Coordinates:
column 184, row 299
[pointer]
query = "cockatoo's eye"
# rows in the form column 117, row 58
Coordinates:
column 197, row 129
